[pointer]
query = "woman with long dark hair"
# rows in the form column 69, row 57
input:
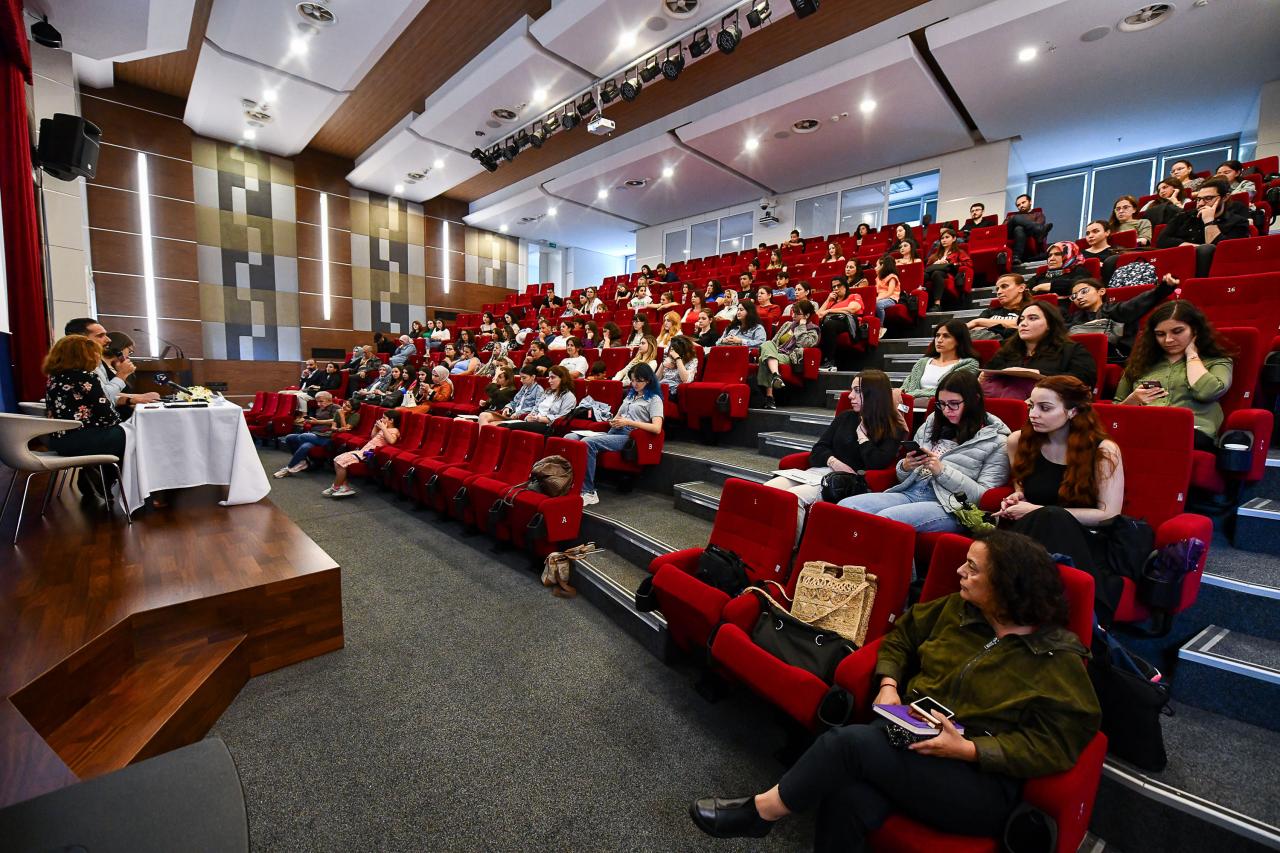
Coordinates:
column 1178, row 360
column 640, row 409
column 962, row 450
column 888, row 285
column 556, row 403
column 951, row 349
column 945, row 261
column 746, row 329
column 1042, row 347
column 1068, row 480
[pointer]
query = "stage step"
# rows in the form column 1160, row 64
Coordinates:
column 1231, row 673
column 155, row 705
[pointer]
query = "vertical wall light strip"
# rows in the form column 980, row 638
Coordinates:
column 148, row 261
column 444, row 257
column 324, row 252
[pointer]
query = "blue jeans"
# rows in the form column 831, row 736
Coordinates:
column 300, row 443
column 883, row 305
column 614, row 439
column 917, row 506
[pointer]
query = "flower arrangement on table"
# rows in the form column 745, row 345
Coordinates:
column 196, row 393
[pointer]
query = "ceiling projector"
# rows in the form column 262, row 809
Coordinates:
column 601, row 126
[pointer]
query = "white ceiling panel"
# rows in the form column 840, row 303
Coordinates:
column 603, row 35
column 912, row 120
column 508, row 75
column 695, row 185
column 1082, row 101
column 390, row 161
column 221, row 81
column 120, row 30
column 526, row 215
column 335, row 56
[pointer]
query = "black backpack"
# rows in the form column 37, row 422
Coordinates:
column 722, row 569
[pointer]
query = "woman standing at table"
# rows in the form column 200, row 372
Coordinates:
column 73, row 392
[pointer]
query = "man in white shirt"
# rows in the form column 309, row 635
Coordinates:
column 114, row 387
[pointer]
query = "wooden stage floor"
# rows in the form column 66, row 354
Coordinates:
column 118, row 642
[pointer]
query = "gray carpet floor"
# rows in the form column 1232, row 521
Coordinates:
column 471, row 710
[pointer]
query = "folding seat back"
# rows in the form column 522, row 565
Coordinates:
column 258, row 400
column 1245, row 369
column 434, row 436
column 459, row 438
column 413, row 429
column 725, row 365
column 1123, row 239
column 522, row 450
column 1180, row 261
column 988, row 237
column 759, row 525
column 911, row 277
column 986, row 349
column 1096, row 344
column 285, row 405
column 487, row 450
column 1155, row 446
column 343, row 384
column 1246, row 256
column 1265, row 165
column 1243, row 300
column 607, row 391
column 369, row 415
column 847, row 537
column 615, row 358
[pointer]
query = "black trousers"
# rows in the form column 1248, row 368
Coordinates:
column 1204, row 441
column 88, row 441
column 856, row 779
column 1020, row 227
column 1204, row 259
column 1059, row 532
column 525, row 426
column 832, row 326
column 935, row 278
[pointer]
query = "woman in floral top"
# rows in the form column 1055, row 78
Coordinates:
column 73, row 392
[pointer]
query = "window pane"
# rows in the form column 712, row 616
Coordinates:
column 1204, row 158
column 931, row 209
column 907, row 196
column 673, row 245
column 1111, row 182
column 816, row 217
column 704, row 239
column 535, row 257
column 1062, row 200
column 861, row 204
column 735, row 233
column 908, row 212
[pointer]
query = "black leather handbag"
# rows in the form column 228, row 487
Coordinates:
column 722, row 569
column 839, row 485
column 798, row 644
column 1133, row 697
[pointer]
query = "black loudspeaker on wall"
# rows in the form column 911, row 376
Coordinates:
column 68, row 147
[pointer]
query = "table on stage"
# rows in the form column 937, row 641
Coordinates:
column 177, row 448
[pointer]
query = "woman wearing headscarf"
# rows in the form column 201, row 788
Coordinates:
column 1063, row 266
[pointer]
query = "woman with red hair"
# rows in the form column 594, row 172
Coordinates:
column 1068, row 481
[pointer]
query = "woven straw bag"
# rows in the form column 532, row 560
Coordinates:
column 836, row 598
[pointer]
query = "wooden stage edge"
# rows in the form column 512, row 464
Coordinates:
column 119, row 642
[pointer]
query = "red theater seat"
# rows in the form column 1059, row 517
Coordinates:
column 404, row 461
column 542, row 523
column 483, row 490
column 1243, row 257
column 723, row 373
column 442, row 487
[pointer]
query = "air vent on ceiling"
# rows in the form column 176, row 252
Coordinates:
column 1145, row 18
column 529, row 220
column 681, row 8
column 656, row 24
column 257, row 117
column 414, row 177
column 317, row 13
column 806, row 125
column 634, row 183
column 505, row 115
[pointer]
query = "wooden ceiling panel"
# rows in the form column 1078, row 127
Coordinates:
column 788, row 39
column 446, row 35
column 170, row 73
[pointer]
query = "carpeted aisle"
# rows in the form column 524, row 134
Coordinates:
column 471, row 710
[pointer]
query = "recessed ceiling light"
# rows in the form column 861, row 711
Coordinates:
column 438, row 164
column 867, row 106
column 399, row 188
column 502, row 228
column 298, row 45
column 551, row 211
column 249, row 134
column 667, row 171
column 752, row 143
column 627, row 41
column 602, row 194
column 539, row 96
column 1027, row 54
column 269, row 96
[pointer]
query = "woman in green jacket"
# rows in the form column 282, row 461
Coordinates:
column 996, row 654
column 1178, row 360
column 951, row 349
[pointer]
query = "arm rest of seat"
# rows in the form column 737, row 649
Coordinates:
column 648, row 446
column 1185, row 526
column 1260, row 422
column 742, row 611
column 794, row 460
column 686, row 560
column 855, row 673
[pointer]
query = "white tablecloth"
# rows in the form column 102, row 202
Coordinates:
column 180, row 448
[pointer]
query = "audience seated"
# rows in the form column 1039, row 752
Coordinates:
column 1041, row 347
column 766, row 310
column 641, row 409
column 1214, row 219
column 645, row 353
column 1185, row 172
column 865, row 437
column 833, row 254
column 728, row 306
column 746, row 329
column 977, row 213
column 1178, row 360
column 1097, row 235
column 1167, row 204
column 1063, row 266
column 997, row 322
column 525, row 401
column 537, row 357
column 641, row 298
column 902, row 233
column 500, row 393
column 961, row 454
column 951, row 349
column 888, row 285
column 1025, row 224
column 838, row 314
column 611, row 336
column 74, row 392
column 316, row 429
column 1233, row 171
column 1089, row 312
column 944, row 262
column 802, row 291
column 386, row 431
column 789, row 343
column 679, row 365
column 1124, row 217
column 670, row 328
column 559, row 401
column 405, row 351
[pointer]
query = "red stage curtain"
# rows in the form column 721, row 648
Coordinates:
column 27, row 318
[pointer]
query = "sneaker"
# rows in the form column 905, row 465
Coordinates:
column 828, row 366
column 283, row 472
column 590, row 499
column 770, row 403
column 328, row 493
column 343, row 492
column 300, row 467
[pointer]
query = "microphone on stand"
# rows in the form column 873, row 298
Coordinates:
column 168, row 344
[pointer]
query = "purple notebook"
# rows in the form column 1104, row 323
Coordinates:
column 904, row 717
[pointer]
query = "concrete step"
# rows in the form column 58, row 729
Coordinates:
column 780, row 444
column 1231, row 673
column 1258, row 525
column 699, row 499
column 933, row 318
column 893, row 346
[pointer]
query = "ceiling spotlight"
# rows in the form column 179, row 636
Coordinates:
column 586, row 105
column 538, row 135
column 667, row 171
column 627, row 41
column 673, row 65
column 602, row 194
column 476, row 154
column 437, row 164
column 570, row 118
column 759, row 14
column 551, row 124
column 609, row 92
column 631, row 88
column 729, row 36
column 298, row 46
column 1027, row 54
column 249, row 134
column 503, row 228
column 509, row 150
column 650, row 69
column 551, row 211
column 490, row 159
column 269, row 96
column 523, row 140
column 398, row 189
column 804, row 8
column 752, row 143
column 46, row 33
column 867, row 106
column 701, row 43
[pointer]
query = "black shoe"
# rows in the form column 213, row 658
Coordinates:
column 721, row 818
column 770, row 403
